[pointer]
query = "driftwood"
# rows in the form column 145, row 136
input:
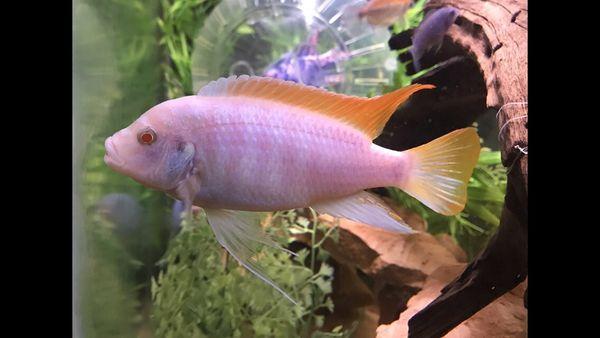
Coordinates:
column 485, row 55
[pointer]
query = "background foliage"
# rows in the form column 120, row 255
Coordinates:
column 116, row 77
column 205, row 293
column 179, row 23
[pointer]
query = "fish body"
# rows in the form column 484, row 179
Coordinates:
column 431, row 31
column 384, row 12
column 263, row 160
column 244, row 145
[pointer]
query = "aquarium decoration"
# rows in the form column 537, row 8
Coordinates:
column 316, row 42
column 484, row 57
column 305, row 65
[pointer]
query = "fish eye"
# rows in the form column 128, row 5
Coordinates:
column 147, row 136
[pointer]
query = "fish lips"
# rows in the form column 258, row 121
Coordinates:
column 111, row 157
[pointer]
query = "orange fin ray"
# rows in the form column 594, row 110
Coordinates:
column 442, row 169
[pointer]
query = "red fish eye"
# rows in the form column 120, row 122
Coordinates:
column 147, row 136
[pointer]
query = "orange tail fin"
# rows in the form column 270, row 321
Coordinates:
column 441, row 170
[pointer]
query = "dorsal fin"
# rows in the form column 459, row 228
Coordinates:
column 368, row 115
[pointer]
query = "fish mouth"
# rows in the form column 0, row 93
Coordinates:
column 111, row 158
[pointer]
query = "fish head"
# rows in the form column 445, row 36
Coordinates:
column 450, row 15
column 151, row 151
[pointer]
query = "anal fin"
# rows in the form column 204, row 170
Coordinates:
column 364, row 208
column 239, row 233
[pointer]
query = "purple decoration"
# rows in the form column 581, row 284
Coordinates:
column 305, row 65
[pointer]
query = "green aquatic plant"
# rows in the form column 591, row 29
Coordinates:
column 179, row 22
column 472, row 227
column 290, row 225
column 412, row 18
column 203, row 292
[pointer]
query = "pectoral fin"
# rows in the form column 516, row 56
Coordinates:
column 364, row 208
column 186, row 191
column 239, row 233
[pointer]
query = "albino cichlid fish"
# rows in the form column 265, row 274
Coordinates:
column 245, row 145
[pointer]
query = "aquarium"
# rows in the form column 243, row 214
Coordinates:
column 305, row 168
